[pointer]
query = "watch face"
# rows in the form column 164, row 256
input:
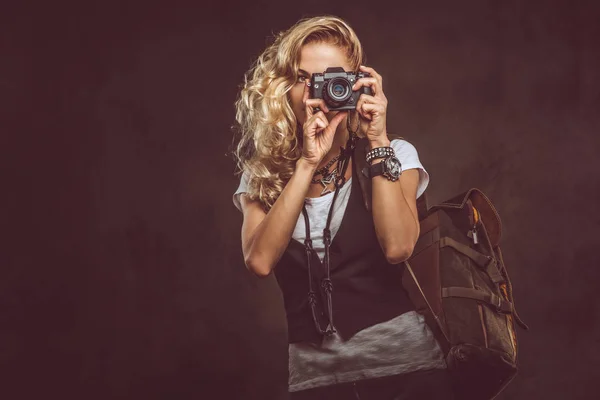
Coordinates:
column 393, row 166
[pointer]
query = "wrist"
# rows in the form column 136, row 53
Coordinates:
column 383, row 141
column 303, row 164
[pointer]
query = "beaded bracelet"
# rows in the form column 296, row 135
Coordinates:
column 379, row 152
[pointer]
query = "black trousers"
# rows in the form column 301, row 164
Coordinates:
column 432, row 384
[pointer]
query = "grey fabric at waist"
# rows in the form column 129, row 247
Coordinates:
column 400, row 345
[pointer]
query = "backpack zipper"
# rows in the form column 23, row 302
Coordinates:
column 473, row 232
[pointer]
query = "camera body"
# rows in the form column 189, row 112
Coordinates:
column 335, row 87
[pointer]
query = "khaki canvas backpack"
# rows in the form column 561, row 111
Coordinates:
column 456, row 278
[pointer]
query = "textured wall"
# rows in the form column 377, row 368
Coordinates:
column 122, row 274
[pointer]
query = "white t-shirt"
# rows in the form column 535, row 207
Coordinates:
column 318, row 207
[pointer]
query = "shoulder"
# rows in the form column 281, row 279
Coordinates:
column 408, row 156
column 401, row 142
column 404, row 149
column 242, row 188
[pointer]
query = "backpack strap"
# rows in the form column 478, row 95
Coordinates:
column 490, row 299
column 360, row 163
column 436, row 317
column 485, row 262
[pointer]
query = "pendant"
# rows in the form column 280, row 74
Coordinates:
column 326, row 190
column 326, row 180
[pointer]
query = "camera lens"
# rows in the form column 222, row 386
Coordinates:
column 339, row 90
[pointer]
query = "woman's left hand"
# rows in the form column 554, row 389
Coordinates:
column 372, row 108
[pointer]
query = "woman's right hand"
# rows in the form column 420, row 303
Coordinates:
column 318, row 132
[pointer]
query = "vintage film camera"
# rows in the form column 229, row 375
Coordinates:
column 335, row 87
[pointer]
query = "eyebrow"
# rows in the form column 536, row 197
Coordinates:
column 303, row 72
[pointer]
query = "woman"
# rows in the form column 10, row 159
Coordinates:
column 352, row 330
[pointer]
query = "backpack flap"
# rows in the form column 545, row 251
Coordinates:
column 487, row 212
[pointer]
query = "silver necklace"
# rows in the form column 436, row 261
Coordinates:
column 332, row 176
column 327, row 179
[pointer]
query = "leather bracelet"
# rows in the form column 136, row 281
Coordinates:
column 379, row 152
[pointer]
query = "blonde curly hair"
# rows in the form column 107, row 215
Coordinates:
column 270, row 136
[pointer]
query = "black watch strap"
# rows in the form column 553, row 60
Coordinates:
column 381, row 168
column 374, row 170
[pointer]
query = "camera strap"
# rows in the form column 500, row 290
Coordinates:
column 326, row 284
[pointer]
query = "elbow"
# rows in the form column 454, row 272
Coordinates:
column 399, row 255
column 258, row 267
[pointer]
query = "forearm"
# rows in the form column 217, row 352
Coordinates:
column 273, row 234
column 395, row 225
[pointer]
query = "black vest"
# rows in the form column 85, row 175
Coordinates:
column 366, row 288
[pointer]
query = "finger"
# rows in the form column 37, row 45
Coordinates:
column 323, row 122
column 314, row 125
column 317, row 103
column 363, row 113
column 335, row 121
column 320, row 124
column 372, row 109
column 367, row 99
column 373, row 73
column 320, row 116
column 372, row 83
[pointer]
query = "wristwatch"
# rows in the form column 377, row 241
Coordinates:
column 390, row 167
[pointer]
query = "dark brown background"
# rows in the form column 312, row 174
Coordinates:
column 122, row 274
